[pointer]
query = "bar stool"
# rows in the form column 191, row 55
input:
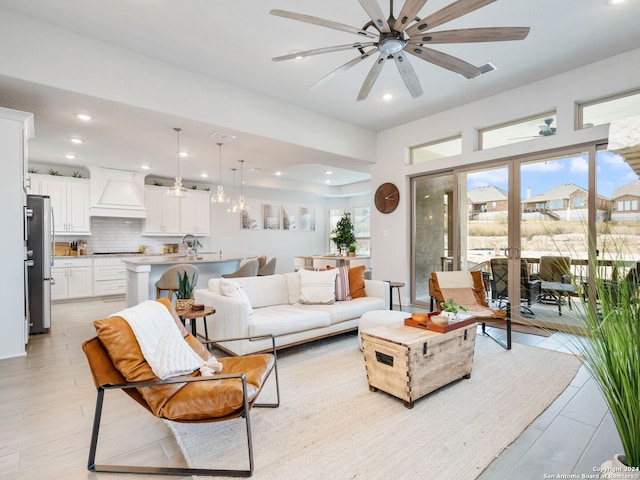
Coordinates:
column 169, row 280
column 397, row 286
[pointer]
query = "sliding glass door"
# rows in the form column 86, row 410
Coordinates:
column 519, row 211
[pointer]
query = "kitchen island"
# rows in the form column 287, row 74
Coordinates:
column 144, row 272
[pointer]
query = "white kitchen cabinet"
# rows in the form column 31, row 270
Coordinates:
column 163, row 212
column 195, row 214
column 72, row 278
column 69, row 199
column 109, row 276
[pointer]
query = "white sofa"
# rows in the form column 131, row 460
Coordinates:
column 274, row 301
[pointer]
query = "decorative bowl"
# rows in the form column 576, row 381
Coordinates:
column 419, row 317
column 440, row 320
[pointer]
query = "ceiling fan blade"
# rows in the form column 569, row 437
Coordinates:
column 318, row 51
column 372, row 77
column 444, row 60
column 491, row 34
column 341, row 69
column 408, row 74
column 409, row 11
column 375, row 13
column 446, row 14
column 321, row 21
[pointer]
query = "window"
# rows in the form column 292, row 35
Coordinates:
column 447, row 147
column 578, row 202
column 361, row 219
column 540, row 126
column 555, row 204
column 605, row 110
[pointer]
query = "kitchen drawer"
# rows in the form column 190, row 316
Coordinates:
column 110, row 287
column 72, row 262
column 109, row 273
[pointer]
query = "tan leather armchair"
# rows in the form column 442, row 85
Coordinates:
column 116, row 362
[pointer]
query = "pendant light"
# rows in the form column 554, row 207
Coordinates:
column 219, row 196
column 242, row 205
column 178, row 190
column 234, row 204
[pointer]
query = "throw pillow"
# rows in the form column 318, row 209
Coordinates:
column 356, row 281
column 229, row 288
column 342, row 284
column 317, row 287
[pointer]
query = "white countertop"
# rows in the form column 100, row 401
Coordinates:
column 169, row 259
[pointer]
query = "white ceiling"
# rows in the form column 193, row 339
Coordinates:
column 233, row 41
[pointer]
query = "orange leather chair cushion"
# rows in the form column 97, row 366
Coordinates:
column 198, row 401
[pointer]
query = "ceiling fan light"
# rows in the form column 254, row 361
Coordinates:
column 390, row 46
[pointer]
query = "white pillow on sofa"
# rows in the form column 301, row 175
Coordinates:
column 229, row 288
column 317, row 287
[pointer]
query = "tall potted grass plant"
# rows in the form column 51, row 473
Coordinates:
column 610, row 350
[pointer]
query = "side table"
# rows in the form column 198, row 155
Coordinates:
column 191, row 315
column 397, row 286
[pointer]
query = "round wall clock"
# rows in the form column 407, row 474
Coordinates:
column 387, row 197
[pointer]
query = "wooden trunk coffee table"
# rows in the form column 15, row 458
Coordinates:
column 410, row 362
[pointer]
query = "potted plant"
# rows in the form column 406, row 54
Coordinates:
column 610, row 350
column 451, row 308
column 352, row 251
column 185, row 291
column 343, row 233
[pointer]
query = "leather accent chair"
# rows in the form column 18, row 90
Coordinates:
column 116, row 362
column 467, row 289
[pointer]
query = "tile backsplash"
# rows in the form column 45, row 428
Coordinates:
column 119, row 235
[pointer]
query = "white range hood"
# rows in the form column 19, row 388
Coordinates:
column 117, row 193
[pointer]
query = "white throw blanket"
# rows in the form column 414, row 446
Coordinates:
column 162, row 344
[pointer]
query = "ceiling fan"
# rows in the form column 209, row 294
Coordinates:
column 546, row 130
column 394, row 37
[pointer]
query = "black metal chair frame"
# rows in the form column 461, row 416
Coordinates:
column 184, row 471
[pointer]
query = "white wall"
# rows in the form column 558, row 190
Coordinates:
column 228, row 236
column 391, row 233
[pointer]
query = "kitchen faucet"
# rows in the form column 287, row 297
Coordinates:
column 191, row 242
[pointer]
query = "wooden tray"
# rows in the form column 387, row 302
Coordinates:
column 439, row 328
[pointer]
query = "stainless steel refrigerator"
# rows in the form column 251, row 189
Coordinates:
column 40, row 241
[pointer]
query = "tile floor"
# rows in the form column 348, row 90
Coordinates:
column 47, row 403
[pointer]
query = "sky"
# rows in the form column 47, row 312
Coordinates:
column 540, row 176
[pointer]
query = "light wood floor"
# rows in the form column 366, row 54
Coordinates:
column 47, row 404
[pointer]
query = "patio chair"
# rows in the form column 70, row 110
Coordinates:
column 466, row 289
column 529, row 289
column 117, row 362
column 555, row 275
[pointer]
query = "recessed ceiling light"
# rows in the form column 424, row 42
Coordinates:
column 613, row 2
column 328, row 172
column 387, row 96
column 76, row 140
column 183, row 154
column 84, row 117
column 278, row 173
column 204, row 175
column 327, row 181
column 145, row 167
column 70, row 156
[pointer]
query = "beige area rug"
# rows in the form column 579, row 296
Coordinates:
column 329, row 426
